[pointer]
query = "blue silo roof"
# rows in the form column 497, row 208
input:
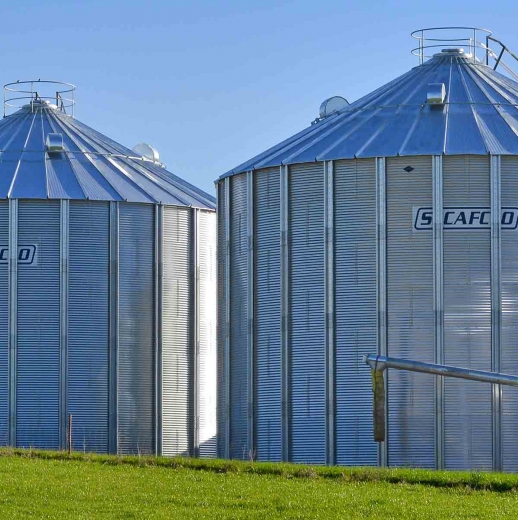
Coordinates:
column 91, row 166
column 479, row 117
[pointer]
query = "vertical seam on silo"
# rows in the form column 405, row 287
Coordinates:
column 381, row 228
column 159, row 277
column 227, row 318
column 438, row 270
column 284, row 209
column 114, row 327
column 250, row 310
column 496, row 308
column 63, row 368
column 196, row 329
column 329, row 310
column 13, row 315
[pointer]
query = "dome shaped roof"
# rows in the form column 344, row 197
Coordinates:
column 479, row 116
column 45, row 153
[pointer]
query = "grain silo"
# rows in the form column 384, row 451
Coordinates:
column 387, row 226
column 107, row 289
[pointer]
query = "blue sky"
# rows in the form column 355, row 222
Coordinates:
column 210, row 84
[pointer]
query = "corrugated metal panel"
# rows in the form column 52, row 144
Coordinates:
column 509, row 337
column 207, row 380
column 307, row 315
column 411, row 401
column 4, row 328
column 267, row 320
column 222, row 321
column 395, row 120
column 238, row 321
column 38, row 327
column 88, row 325
column 177, row 333
column 136, row 326
column 355, row 307
column 467, row 318
column 108, row 171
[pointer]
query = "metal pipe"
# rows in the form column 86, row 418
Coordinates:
column 380, row 363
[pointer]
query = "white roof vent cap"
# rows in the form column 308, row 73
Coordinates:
column 332, row 105
column 436, row 94
column 147, row 152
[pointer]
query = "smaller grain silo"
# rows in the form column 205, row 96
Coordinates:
column 107, row 289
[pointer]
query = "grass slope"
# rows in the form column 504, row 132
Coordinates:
column 51, row 485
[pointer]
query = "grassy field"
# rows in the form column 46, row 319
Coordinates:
column 50, row 485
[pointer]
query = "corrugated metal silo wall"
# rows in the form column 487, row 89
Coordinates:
column 207, row 350
column 267, row 304
column 438, row 287
column 411, row 321
column 4, row 324
column 222, row 333
column 177, row 346
column 307, row 314
column 467, row 318
column 238, row 317
column 88, row 297
column 355, row 307
column 136, row 331
column 38, row 348
column 509, row 249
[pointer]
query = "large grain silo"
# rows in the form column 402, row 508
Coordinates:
column 107, row 289
column 388, row 226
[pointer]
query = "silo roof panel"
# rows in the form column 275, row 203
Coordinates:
column 91, row 166
column 479, row 116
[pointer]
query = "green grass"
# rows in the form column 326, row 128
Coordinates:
column 36, row 484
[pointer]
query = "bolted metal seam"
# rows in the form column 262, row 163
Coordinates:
column 226, row 369
column 438, row 271
column 63, row 300
column 159, row 317
column 114, row 328
column 196, row 338
column 496, row 309
column 250, row 311
column 284, row 254
column 13, row 315
column 381, row 253
column 329, row 310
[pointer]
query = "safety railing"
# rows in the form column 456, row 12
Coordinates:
column 34, row 94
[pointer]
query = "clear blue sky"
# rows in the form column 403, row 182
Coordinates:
column 212, row 83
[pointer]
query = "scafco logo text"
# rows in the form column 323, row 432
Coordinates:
column 26, row 255
column 465, row 218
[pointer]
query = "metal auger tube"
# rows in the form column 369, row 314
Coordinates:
column 379, row 364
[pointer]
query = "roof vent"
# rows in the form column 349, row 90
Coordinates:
column 436, row 94
column 55, row 143
column 148, row 153
column 332, row 105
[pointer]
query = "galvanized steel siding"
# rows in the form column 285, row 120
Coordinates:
column 136, row 341
column 207, row 369
column 307, row 315
column 177, row 333
column 222, row 397
column 267, row 384
column 411, row 323
column 355, row 307
column 238, row 318
column 4, row 327
column 88, row 325
column 467, row 318
column 38, row 358
column 509, row 340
